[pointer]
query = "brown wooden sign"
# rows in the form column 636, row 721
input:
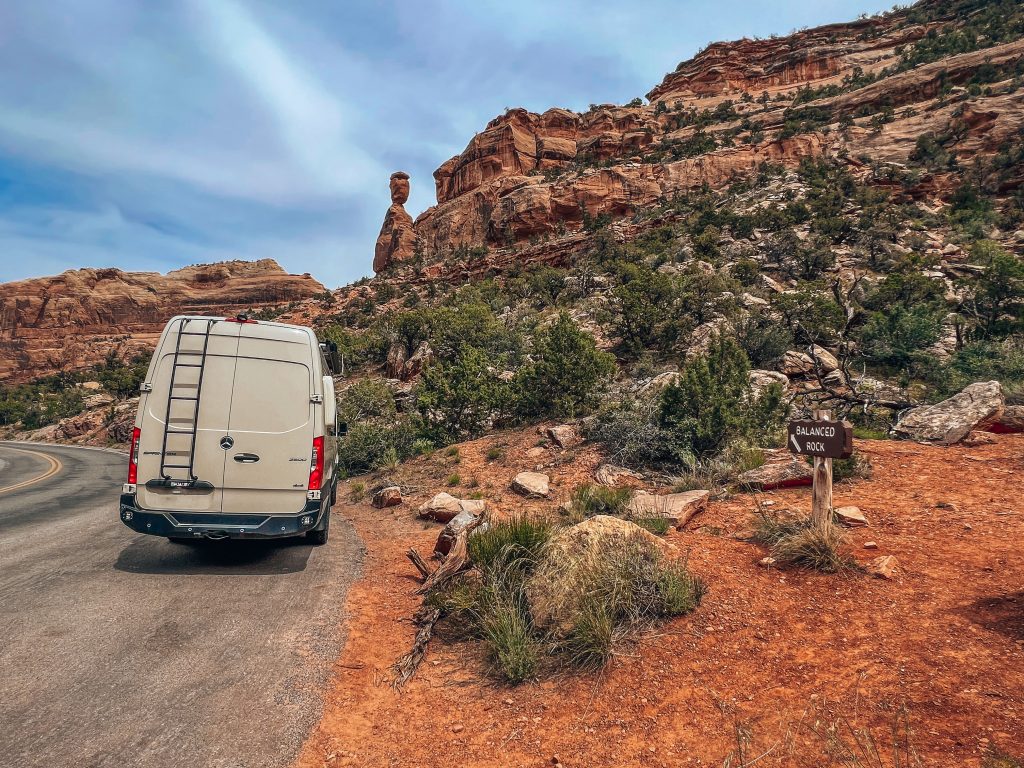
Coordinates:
column 825, row 439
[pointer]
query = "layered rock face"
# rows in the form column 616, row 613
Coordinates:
column 531, row 178
column 73, row 320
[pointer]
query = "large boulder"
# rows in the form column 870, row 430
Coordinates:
column 420, row 359
column 533, row 485
column 677, row 508
column 614, row 476
column 563, row 435
column 443, row 507
column 570, row 560
column 787, row 474
column 389, row 496
column 976, row 407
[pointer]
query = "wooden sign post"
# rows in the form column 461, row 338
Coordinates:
column 824, row 440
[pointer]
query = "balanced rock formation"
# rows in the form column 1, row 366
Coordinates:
column 526, row 186
column 397, row 240
column 73, row 320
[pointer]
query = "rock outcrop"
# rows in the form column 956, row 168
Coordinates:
column 526, row 186
column 397, row 240
column 72, row 320
column 976, row 407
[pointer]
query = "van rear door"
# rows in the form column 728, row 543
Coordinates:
column 271, row 422
column 218, row 372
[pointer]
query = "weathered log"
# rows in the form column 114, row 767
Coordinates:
column 421, row 566
column 406, row 666
column 456, row 560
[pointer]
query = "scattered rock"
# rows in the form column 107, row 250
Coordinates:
column 419, row 360
column 391, row 496
column 564, row 436
column 788, row 474
column 531, row 484
column 883, row 567
column 613, row 476
column 826, row 359
column 444, row 507
column 795, row 363
column 950, row 421
column 761, row 380
column 767, row 562
column 977, row 438
column 851, row 517
column 870, row 545
column 1011, row 420
column 660, row 382
column 677, row 508
column 536, row 452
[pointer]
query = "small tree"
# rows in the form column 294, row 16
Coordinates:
column 999, row 295
column 713, row 403
column 566, row 374
column 457, row 398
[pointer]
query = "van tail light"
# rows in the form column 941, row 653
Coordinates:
column 133, row 457
column 316, row 465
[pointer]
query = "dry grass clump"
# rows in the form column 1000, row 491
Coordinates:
column 799, row 542
column 590, row 500
column 533, row 608
column 587, row 602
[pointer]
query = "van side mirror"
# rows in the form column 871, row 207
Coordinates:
column 342, row 429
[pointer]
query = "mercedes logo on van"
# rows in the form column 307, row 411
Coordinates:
column 226, row 442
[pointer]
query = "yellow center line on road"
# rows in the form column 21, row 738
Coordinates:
column 54, row 468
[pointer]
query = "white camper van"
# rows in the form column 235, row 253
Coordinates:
column 235, row 434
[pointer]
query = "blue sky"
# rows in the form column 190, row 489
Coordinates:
column 151, row 134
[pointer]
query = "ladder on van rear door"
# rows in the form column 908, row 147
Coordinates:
column 184, row 359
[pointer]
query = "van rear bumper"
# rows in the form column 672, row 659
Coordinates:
column 192, row 525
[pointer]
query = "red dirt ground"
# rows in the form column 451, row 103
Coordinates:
column 769, row 656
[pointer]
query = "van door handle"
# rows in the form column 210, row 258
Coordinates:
column 246, row 458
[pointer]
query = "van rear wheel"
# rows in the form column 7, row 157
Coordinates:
column 319, row 537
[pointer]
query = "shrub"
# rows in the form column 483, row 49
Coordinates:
column 566, row 374
column 517, row 539
column 618, row 592
column 901, row 337
column 763, row 338
column 453, row 480
column 713, row 403
column 643, row 304
column 801, row 543
column 374, row 445
column 855, row 467
column 999, row 293
column 493, row 454
column 589, row 500
column 631, row 435
column 505, row 623
column 123, row 379
column 366, row 400
column 458, row 398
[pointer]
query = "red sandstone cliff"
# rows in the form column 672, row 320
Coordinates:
column 72, row 320
column 529, row 178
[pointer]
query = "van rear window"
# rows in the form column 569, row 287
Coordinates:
column 270, row 396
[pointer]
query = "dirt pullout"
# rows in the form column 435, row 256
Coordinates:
column 768, row 658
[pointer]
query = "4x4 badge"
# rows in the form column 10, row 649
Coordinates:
column 226, row 442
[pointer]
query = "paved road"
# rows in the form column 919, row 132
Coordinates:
column 119, row 649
